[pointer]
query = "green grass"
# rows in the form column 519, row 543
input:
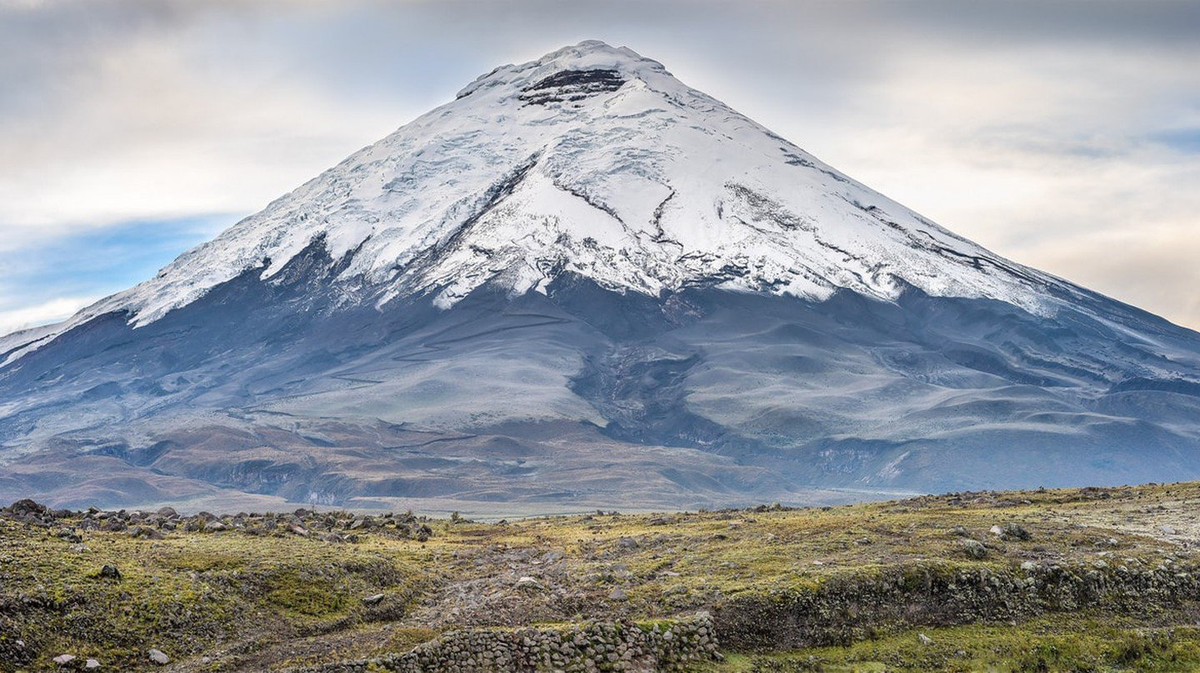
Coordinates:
column 184, row 594
column 256, row 602
column 1072, row 643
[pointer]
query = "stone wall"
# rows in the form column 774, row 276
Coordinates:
column 839, row 610
column 666, row 646
column 861, row 605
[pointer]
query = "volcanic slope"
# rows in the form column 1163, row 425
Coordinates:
column 582, row 283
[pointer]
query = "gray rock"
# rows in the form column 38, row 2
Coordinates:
column 974, row 549
column 373, row 599
column 528, row 584
column 145, row 532
column 1014, row 531
column 64, row 659
column 618, row 594
column 91, row 665
column 159, row 657
column 1011, row 531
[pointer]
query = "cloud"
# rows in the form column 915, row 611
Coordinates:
column 1060, row 134
column 54, row 310
column 125, row 114
column 1038, row 158
column 65, row 273
column 1185, row 140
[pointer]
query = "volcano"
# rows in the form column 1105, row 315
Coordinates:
column 584, row 284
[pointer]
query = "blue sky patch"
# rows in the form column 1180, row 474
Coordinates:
column 100, row 261
column 1186, row 141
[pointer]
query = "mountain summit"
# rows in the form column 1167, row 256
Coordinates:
column 595, row 161
column 581, row 283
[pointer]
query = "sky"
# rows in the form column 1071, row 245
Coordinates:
column 1062, row 135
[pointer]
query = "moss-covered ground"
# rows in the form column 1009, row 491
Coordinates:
column 1079, row 643
column 244, row 598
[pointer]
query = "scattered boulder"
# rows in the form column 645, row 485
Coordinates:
column 159, row 657
column 373, row 599
column 925, row 640
column 29, row 507
column 115, row 525
column 110, row 572
column 528, row 583
column 63, row 659
column 974, row 549
column 1011, row 531
column 618, row 594
column 146, row 533
column 91, row 665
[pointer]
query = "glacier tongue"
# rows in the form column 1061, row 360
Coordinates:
column 596, row 161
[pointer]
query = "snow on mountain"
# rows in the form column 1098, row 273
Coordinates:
column 597, row 161
column 579, row 282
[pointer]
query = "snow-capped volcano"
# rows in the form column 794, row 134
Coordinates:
column 596, row 161
column 567, row 242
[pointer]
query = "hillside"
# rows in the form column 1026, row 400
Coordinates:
column 1088, row 579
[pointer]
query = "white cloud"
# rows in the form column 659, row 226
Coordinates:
column 44, row 313
column 144, row 130
column 1043, row 155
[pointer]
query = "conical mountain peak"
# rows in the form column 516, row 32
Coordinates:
column 597, row 162
column 582, row 265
